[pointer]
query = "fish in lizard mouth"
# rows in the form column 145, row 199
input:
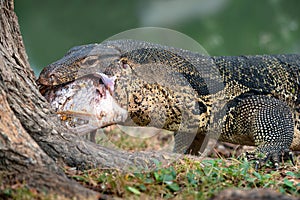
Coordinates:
column 85, row 104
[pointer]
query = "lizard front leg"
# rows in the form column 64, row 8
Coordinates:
column 263, row 121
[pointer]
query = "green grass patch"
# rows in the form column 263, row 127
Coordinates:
column 188, row 179
column 21, row 192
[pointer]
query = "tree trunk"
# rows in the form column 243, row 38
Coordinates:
column 33, row 145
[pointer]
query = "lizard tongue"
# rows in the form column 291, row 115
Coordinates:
column 109, row 82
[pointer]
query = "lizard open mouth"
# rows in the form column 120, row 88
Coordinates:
column 86, row 104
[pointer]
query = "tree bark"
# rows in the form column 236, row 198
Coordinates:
column 33, row 145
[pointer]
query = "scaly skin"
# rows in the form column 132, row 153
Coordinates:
column 247, row 100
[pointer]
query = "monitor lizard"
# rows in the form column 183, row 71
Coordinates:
column 252, row 100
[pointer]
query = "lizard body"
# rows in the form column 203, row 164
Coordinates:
column 253, row 99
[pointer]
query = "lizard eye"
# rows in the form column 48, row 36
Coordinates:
column 123, row 63
column 52, row 78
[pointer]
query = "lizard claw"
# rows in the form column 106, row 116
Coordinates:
column 291, row 157
column 257, row 165
column 273, row 157
column 276, row 165
column 288, row 155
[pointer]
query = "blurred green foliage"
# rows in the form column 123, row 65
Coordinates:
column 222, row 27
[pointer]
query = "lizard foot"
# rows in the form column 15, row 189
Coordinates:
column 274, row 157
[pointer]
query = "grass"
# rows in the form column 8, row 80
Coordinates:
column 187, row 178
column 21, row 192
column 184, row 179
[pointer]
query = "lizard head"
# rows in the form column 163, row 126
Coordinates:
column 79, row 92
column 77, row 62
